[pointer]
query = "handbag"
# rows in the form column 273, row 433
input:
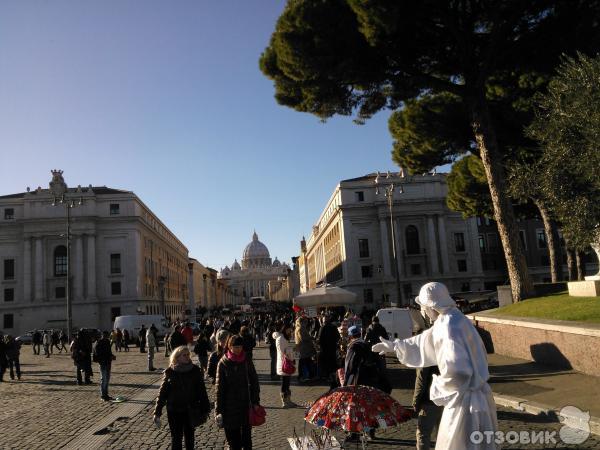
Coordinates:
column 288, row 366
column 257, row 415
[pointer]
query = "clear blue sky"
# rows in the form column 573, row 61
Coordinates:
column 166, row 99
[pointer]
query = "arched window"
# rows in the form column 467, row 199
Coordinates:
column 412, row 240
column 60, row 261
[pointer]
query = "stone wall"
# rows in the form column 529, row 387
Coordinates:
column 555, row 343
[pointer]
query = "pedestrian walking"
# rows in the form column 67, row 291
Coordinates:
column 3, row 360
column 13, row 351
column 305, row 349
column 104, row 357
column 79, row 356
column 201, row 350
column 142, row 338
column 213, row 360
column 125, row 340
column 36, row 342
column 285, row 360
column 237, row 391
column 151, row 342
column 55, row 342
column 270, row 341
column 47, row 341
column 329, row 338
column 118, row 340
column 249, row 341
column 63, row 339
column 454, row 345
column 184, row 394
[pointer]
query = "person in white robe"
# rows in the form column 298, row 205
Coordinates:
column 469, row 419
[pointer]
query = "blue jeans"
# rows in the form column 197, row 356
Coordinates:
column 104, row 379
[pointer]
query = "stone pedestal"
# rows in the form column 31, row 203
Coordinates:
column 587, row 288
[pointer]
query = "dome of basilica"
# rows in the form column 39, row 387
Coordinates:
column 256, row 254
column 255, row 249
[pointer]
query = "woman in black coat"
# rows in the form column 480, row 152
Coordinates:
column 237, row 392
column 182, row 388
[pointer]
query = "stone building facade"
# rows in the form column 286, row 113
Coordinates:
column 351, row 243
column 251, row 278
column 123, row 259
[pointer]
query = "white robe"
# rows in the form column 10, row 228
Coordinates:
column 454, row 345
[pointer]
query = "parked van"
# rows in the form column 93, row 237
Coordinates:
column 134, row 323
column 401, row 323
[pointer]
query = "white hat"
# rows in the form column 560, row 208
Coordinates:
column 435, row 295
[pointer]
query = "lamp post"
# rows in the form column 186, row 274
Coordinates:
column 388, row 192
column 205, row 292
column 161, row 290
column 191, row 291
column 58, row 189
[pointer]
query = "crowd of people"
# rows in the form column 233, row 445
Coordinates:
column 336, row 348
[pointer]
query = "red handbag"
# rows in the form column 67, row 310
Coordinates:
column 257, row 416
column 288, row 366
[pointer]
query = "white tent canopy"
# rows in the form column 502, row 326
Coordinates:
column 326, row 296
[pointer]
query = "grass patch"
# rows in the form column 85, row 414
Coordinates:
column 558, row 306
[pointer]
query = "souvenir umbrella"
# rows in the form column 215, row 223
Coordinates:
column 356, row 409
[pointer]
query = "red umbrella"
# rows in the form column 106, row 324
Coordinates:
column 356, row 409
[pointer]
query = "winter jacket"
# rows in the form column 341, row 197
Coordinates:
column 47, row 339
column 102, row 352
column 304, row 345
column 234, row 380
column 422, row 386
column 249, row 344
column 150, row 339
column 3, row 360
column 283, row 348
column 13, row 349
column 188, row 334
column 361, row 365
column 180, row 389
column 329, row 337
column 79, row 351
column 176, row 340
column 213, row 361
column 374, row 332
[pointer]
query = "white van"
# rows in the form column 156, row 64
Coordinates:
column 134, row 323
column 401, row 323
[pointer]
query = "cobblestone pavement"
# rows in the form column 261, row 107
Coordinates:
column 47, row 410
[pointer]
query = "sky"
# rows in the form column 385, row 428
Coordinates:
column 166, row 99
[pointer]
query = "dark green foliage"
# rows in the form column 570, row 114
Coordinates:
column 468, row 191
column 568, row 129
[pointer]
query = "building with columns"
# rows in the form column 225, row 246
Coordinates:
column 351, row 243
column 252, row 277
column 124, row 260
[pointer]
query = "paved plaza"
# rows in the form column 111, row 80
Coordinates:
column 46, row 410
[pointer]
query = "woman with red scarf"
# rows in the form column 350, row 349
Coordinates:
column 237, row 392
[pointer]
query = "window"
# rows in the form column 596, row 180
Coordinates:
column 60, row 261
column 544, row 260
column 60, row 292
column 368, row 295
column 492, row 239
column 367, row 271
column 462, row 265
column 9, row 294
column 482, row 243
column 115, row 263
column 459, row 242
column 363, row 248
column 412, row 240
column 415, row 269
column 9, row 213
column 479, row 221
column 465, row 287
column 541, row 239
column 114, row 209
column 115, row 288
column 408, row 293
column 360, row 196
column 8, row 321
column 114, row 313
column 523, row 239
column 9, row 269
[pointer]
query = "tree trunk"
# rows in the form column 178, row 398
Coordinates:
column 485, row 136
column 580, row 265
column 571, row 264
column 553, row 241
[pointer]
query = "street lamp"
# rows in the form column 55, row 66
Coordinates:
column 388, row 191
column 58, row 189
column 161, row 290
column 191, row 291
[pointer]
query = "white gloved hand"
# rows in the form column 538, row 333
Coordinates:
column 156, row 421
column 383, row 347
